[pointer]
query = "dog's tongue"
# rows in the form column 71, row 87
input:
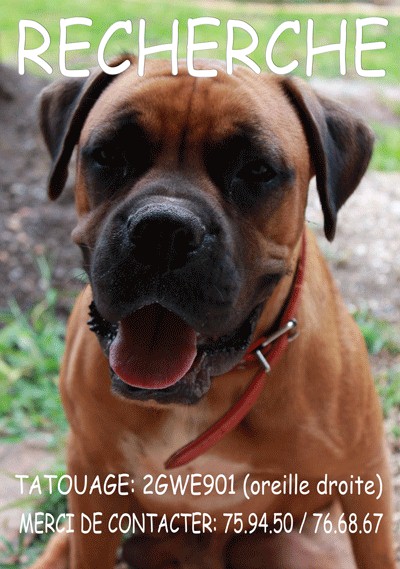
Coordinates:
column 153, row 349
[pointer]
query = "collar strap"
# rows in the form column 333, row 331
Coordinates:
column 267, row 350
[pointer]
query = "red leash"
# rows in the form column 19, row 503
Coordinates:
column 274, row 345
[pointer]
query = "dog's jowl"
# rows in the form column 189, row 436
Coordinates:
column 212, row 359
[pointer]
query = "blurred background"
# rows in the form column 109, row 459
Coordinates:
column 40, row 272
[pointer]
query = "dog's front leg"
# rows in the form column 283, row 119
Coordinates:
column 370, row 520
column 94, row 542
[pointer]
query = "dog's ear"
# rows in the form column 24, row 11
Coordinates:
column 340, row 147
column 64, row 107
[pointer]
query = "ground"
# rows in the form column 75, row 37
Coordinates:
column 364, row 257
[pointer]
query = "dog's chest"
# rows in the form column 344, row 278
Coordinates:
column 210, row 484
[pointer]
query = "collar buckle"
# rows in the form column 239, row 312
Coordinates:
column 289, row 328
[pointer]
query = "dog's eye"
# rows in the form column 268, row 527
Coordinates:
column 108, row 157
column 257, row 171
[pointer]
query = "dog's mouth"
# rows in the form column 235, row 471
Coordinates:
column 154, row 354
column 153, row 348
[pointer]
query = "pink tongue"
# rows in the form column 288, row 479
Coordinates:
column 153, row 349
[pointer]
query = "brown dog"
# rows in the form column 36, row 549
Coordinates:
column 191, row 196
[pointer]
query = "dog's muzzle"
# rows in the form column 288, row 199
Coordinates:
column 165, row 287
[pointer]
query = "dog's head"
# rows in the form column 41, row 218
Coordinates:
column 191, row 196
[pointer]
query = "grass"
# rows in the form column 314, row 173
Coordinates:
column 386, row 157
column 159, row 17
column 31, row 346
column 24, row 551
column 382, row 338
column 19, row 554
column 378, row 334
column 388, row 385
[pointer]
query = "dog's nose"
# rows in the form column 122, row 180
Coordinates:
column 163, row 236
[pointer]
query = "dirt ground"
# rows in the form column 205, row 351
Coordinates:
column 364, row 257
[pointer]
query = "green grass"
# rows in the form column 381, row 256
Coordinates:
column 23, row 552
column 19, row 554
column 388, row 385
column 386, row 155
column 379, row 335
column 159, row 17
column 31, row 346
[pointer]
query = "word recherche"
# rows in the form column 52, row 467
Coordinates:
column 232, row 54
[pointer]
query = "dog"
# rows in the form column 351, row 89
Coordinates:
column 218, row 348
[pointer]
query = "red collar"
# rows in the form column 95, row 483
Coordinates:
column 267, row 350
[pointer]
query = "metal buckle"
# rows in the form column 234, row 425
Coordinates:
column 290, row 326
column 263, row 360
column 294, row 331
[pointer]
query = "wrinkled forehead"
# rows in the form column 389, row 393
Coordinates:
column 198, row 108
